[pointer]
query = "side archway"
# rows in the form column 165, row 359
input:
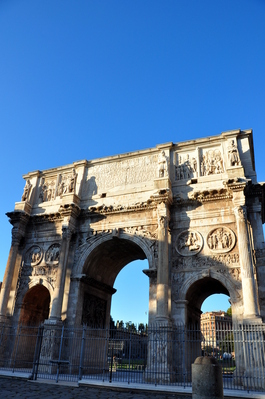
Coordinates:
column 35, row 306
column 198, row 287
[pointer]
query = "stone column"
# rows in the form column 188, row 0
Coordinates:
column 246, row 261
column 162, row 269
column 9, row 273
column 60, row 280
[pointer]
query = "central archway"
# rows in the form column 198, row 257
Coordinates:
column 102, row 262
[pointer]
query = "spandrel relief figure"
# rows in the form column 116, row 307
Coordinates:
column 233, row 155
column 26, row 192
column 189, row 242
column 162, row 165
column 221, row 239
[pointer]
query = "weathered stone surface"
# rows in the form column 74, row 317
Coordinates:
column 207, row 379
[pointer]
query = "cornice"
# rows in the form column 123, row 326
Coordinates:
column 151, row 273
column 114, row 209
column 211, row 195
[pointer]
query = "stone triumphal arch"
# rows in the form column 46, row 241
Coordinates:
column 193, row 209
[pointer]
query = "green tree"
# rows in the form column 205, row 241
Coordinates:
column 229, row 311
column 141, row 328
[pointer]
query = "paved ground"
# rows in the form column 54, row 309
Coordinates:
column 23, row 389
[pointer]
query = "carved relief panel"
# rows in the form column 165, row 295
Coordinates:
column 33, row 255
column 66, row 183
column 47, row 190
column 186, row 166
column 189, row 242
column 52, row 255
column 221, row 239
column 200, row 162
column 211, row 161
column 106, row 176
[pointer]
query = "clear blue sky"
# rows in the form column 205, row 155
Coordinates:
column 83, row 79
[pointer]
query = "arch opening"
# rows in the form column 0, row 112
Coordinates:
column 100, row 271
column 35, row 306
column 131, row 301
column 197, row 293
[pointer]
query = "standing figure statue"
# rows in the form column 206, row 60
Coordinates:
column 233, row 155
column 26, row 191
column 71, row 182
column 162, row 165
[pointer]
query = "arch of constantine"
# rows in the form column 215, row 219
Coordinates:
column 193, row 209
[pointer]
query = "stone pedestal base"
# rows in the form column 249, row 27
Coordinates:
column 207, row 379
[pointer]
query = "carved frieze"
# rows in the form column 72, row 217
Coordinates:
column 189, row 242
column 33, row 256
column 47, row 271
column 106, row 176
column 235, row 273
column 201, row 262
column 52, row 255
column 221, row 239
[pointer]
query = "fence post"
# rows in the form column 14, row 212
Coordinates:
column 60, row 351
column 14, row 361
column 105, row 353
column 36, row 358
column 111, row 364
column 81, row 363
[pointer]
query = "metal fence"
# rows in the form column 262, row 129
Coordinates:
column 162, row 355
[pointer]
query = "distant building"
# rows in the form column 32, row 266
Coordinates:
column 214, row 327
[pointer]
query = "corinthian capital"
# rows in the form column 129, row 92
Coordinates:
column 16, row 236
column 241, row 212
column 66, row 233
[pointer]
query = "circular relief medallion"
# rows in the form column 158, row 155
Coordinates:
column 221, row 239
column 189, row 242
column 33, row 255
column 52, row 255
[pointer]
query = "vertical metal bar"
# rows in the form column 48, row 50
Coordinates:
column 37, row 353
column 105, row 353
column 81, row 362
column 130, row 352
column 184, row 356
column 111, row 364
